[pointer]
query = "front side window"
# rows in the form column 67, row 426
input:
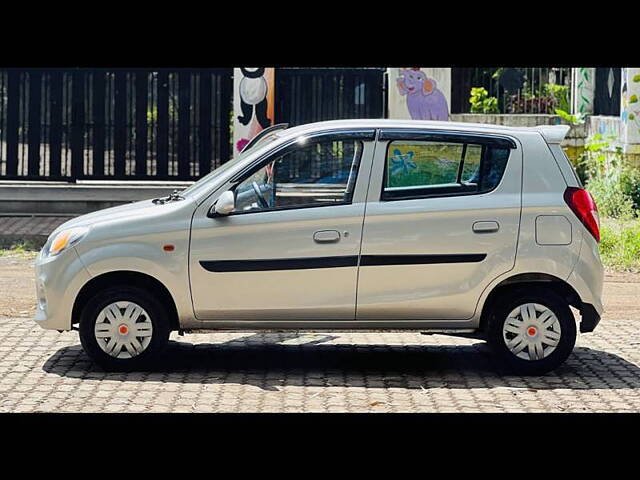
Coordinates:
column 314, row 173
column 416, row 168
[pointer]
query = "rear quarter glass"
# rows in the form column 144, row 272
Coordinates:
column 567, row 170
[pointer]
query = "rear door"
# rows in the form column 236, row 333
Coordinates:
column 441, row 223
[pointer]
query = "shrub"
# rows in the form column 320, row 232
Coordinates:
column 559, row 94
column 614, row 185
column 620, row 244
column 630, row 180
column 481, row 102
column 610, row 198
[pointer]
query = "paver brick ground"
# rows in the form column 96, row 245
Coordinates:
column 47, row 371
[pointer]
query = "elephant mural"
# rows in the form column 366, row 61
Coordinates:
column 424, row 100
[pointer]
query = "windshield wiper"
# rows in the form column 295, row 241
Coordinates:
column 173, row 196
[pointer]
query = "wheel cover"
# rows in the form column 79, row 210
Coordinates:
column 531, row 331
column 123, row 329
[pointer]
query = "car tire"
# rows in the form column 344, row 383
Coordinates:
column 532, row 331
column 124, row 328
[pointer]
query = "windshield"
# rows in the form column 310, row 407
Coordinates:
column 225, row 166
column 214, row 173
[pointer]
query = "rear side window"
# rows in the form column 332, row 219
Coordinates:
column 562, row 160
column 417, row 168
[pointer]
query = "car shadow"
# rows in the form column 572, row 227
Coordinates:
column 270, row 361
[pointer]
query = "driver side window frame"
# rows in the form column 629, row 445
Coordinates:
column 361, row 135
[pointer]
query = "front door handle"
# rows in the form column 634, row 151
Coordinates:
column 326, row 236
column 485, row 227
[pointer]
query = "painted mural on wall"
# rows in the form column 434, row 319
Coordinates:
column 419, row 93
column 252, row 103
column 584, row 90
column 630, row 106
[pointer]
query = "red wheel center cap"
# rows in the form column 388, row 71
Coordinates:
column 531, row 331
column 123, row 329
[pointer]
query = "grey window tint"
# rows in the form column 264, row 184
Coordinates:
column 493, row 168
column 318, row 173
column 471, row 167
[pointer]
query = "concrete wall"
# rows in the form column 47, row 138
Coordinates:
column 75, row 199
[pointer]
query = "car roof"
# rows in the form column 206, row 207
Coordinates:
column 551, row 133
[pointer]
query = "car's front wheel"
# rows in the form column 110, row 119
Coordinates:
column 123, row 328
column 532, row 331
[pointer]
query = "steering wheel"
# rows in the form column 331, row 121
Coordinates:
column 263, row 203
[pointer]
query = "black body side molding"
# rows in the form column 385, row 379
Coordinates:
column 334, row 262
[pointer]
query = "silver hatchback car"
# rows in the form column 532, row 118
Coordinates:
column 437, row 227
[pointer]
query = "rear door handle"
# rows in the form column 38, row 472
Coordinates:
column 326, row 236
column 485, row 227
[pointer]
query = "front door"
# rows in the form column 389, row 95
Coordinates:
column 441, row 223
column 290, row 249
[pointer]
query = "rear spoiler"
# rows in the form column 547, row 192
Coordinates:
column 553, row 133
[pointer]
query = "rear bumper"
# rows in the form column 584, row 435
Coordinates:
column 587, row 279
column 590, row 318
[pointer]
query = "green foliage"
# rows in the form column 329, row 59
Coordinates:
column 19, row 249
column 481, row 102
column 630, row 181
column 577, row 119
column 610, row 198
column 614, row 185
column 620, row 244
column 559, row 93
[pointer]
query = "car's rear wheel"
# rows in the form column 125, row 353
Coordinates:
column 123, row 328
column 532, row 331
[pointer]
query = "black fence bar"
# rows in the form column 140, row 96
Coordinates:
column 163, row 125
column 224, row 106
column 98, row 103
column 184, row 100
column 77, row 124
column 55, row 129
column 120, row 124
column 13, row 112
column 141, row 138
column 35, row 120
column 204, row 132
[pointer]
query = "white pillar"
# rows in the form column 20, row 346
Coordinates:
column 630, row 110
column 419, row 93
column 583, row 90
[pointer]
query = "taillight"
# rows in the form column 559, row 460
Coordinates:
column 582, row 204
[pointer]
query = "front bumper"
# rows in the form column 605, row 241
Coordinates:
column 58, row 281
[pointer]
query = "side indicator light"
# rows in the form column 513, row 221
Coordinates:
column 168, row 248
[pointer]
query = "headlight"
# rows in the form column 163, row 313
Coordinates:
column 65, row 239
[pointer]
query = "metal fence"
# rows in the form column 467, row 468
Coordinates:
column 517, row 90
column 306, row 95
column 68, row 124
